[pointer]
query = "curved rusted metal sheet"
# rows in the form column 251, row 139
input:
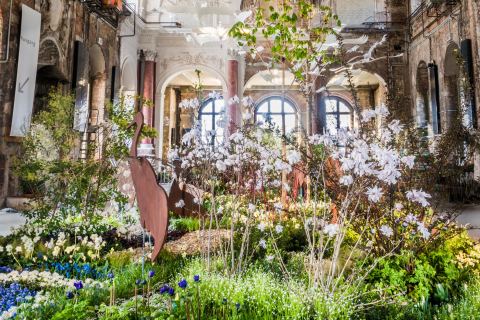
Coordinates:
column 152, row 199
column 188, row 193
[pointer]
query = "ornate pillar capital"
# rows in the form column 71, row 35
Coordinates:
column 149, row 55
column 233, row 54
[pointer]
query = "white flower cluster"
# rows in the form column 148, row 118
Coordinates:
column 236, row 152
column 44, row 279
column 233, row 100
column 361, row 156
column 36, row 302
column 190, row 103
column 214, row 95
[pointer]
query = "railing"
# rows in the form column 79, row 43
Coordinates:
column 163, row 171
column 108, row 10
column 434, row 8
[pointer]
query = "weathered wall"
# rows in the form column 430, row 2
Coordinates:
column 434, row 34
column 63, row 22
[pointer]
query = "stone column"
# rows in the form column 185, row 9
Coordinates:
column 234, row 114
column 147, row 96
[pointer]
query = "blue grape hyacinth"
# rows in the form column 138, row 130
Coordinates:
column 183, row 284
column 13, row 295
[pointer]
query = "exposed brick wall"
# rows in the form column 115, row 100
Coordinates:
column 63, row 22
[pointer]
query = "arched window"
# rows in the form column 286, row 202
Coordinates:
column 278, row 112
column 338, row 114
column 211, row 112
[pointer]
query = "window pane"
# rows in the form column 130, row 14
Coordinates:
column 330, row 105
column 276, row 121
column 290, row 123
column 345, row 121
column 331, row 123
column 276, row 105
column 208, row 107
column 343, row 107
column 288, row 108
column 207, row 122
column 219, row 106
column 219, row 135
column 263, row 108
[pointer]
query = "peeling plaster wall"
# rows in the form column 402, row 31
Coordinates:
column 63, row 22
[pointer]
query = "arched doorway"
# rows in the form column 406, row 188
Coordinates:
column 338, row 106
column 173, row 120
column 278, row 101
column 49, row 74
column 451, row 83
column 422, row 102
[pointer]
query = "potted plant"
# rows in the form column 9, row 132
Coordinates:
column 113, row 4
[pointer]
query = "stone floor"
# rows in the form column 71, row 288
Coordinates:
column 471, row 215
column 9, row 218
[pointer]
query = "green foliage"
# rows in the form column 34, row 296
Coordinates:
column 187, row 224
column 79, row 311
column 432, row 275
column 294, row 39
column 63, row 184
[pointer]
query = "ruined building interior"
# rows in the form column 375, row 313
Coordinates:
column 408, row 54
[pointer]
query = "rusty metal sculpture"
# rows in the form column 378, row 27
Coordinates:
column 186, row 193
column 151, row 198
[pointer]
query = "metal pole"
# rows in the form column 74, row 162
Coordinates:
column 7, row 56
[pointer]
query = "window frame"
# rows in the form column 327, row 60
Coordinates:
column 284, row 101
column 214, row 114
column 337, row 112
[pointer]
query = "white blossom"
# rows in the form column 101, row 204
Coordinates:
column 189, row 103
column 247, row 101
column 331, row 229
column 233, row 100
column 409, row 161
column 278, row 206
column 221, row 166
column 387, row 231
column 395, row 126
column 423, row 230
column 346, row 180
column 278, row 228
column 180, row 204
column 293, row 157
column 262, row 243
column 319, row 139
column 382, row 111
column 374, row 194
column 410, row 218
column 214, row 95
column 419, row 196
column 261, row 226
column 367, row 115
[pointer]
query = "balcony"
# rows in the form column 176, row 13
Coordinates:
column 108, row 10
column 434, row 8
column 379, row 22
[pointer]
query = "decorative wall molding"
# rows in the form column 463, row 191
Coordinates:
column 195, row 59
